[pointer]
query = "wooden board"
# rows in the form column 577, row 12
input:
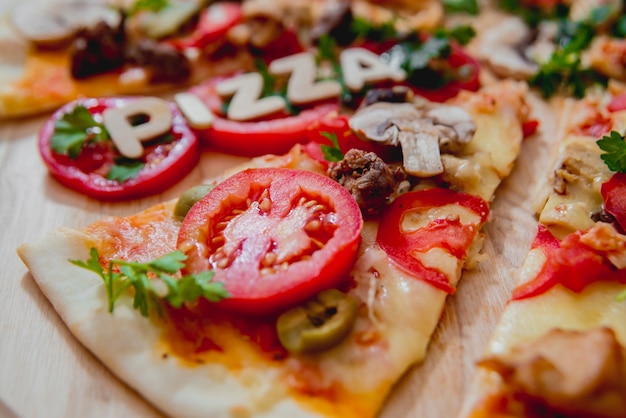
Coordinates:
column 44, row 371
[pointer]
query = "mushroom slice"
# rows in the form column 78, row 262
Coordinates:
column 500, row 49
column 53, row 24
column 422, row 130
column 459, row 121
column 420, row 152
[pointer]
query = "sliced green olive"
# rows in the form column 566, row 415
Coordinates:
column 319, row 324
column 189, row 198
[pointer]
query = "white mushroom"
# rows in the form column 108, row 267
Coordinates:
column 422, row 131
column 500, row 49
column 52, row 24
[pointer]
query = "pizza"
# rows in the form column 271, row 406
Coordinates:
column 558, row 347
column 67, row 49
column 309, row 279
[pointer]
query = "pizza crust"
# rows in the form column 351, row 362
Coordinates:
column 123, row 342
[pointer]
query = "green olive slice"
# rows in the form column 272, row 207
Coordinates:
column 189, row 198
column 319, row 324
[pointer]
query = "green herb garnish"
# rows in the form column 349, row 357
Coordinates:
column 364, row 29
column 533, row 15
column 564, row 68
column 124, row 169
column 332, row 153
column 461, row 6
column 121, row 275
column 614, row 146
column 621, row 297
column 74, row 130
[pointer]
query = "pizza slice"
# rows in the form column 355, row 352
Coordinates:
column 292, row 287
column 558, row 349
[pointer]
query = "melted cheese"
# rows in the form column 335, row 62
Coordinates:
column 570, row 203
column 526, row 320
column 489, row 157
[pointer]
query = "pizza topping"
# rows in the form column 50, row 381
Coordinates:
column 500, row 48
column 120, row 275
column 395, row 94
column 165, row 20
column 128, row 137
column 548, row 377
column 367, row 177
column 197, row 114
column 247, row 103
column 189, row 198
column 336, row 22
column 54, row 24
column 614, row 195
column 614, row 146
column 419, row 224
column 275, row 237
column 98, row 50
column 78, row 150
column 319, row 324
column 164, row 62
column 422, row 130
column 302, row 87
column 581, row 258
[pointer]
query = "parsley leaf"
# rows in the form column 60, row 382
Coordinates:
column 621, row 297
column 564, row 69
column 75, row 129
column 461, row 6
column 614, row 146
column 140, row 276
column 124, row 169
column 533, row 15
column 331, row 153
column 364, row 29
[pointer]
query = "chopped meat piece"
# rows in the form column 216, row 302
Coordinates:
column 166, row 64
column 567, row 373
column 336, row 22
column 98, row 50
column 396, row 94
column 367, row 177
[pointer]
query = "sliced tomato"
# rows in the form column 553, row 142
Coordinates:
column 617, row 103
column 212, row 26
column 275, row 135
column 284, row 45
column 273, row 236
column 614, row 195
column 570, row 263
column 529, row 127
column 164, row 163
column 448, row 233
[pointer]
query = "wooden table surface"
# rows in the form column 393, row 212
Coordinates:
column 45, row 372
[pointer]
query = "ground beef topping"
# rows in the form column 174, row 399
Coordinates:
column 367, row 177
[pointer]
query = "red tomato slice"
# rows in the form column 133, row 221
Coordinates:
column 449, row 234
column 213, row 24
column 271, row 136
column 570, row 263
column 273, row 236
column 165, row 164
column 614, row 195
column 617, row 103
